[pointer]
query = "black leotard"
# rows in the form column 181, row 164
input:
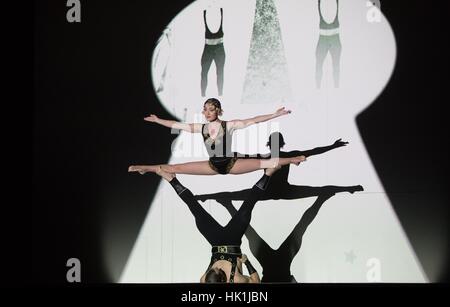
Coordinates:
column 221, row 158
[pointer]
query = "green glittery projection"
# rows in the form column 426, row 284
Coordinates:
column 267, row 77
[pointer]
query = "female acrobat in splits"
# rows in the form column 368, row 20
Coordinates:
column 217, row 138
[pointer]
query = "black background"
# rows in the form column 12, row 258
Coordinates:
column 92, row 88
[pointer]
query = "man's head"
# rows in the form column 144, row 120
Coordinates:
column 215, row 275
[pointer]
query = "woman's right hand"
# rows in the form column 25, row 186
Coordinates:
column 152, row 118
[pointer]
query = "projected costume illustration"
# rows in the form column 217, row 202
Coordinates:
column 267, row 74
column 213, row 51
column 162, row 49
column 329, row 42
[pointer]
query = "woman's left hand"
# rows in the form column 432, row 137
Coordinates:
column 282, row 111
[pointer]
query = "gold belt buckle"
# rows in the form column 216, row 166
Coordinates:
column 222, row 249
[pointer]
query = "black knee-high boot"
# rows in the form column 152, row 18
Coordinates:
column 179, row 188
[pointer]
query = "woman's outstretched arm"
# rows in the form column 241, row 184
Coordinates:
column 243, row 123
column 315, row 151
column 193, row 128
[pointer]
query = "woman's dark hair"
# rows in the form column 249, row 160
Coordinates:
column 215, row 275
column 276, row 136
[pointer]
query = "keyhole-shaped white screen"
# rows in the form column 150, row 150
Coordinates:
column 169, row 248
